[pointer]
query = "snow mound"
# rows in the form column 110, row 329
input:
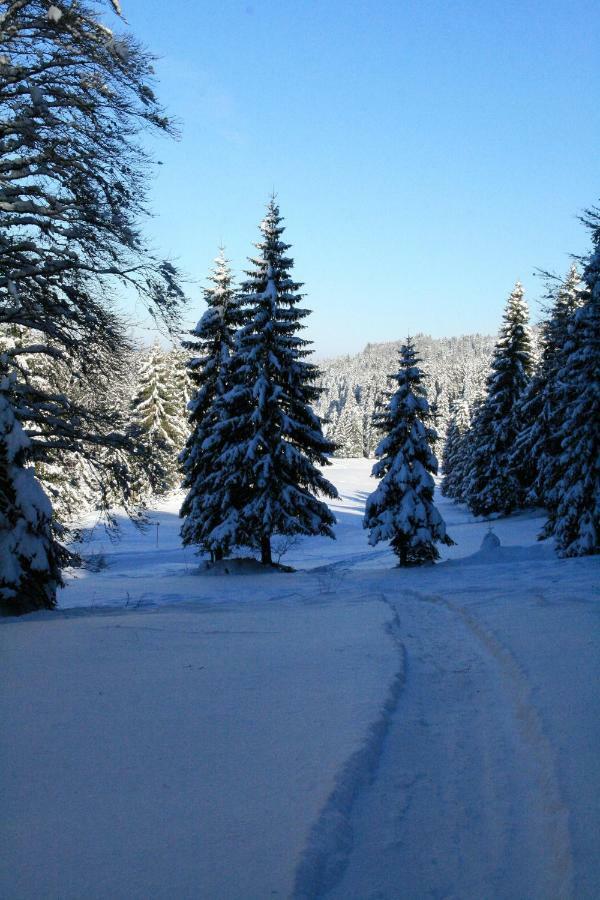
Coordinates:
column 491, row 553
column 243, row 565
column 490, row 542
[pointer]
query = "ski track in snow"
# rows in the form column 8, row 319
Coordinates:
column 330, row 842
column 465, row 801
column 493, row 811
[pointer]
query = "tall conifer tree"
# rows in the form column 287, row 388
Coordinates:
column 349, row 428
column 157, row 421
column 402, row 510
column 212, row 346
column 538, row 411
column 455, row 456
column 572, row 479
column 268, row 439
column 492, row 483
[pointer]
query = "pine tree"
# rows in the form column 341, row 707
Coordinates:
column 177, row 361
column 368, row 398
column 156, row 418
column 212, row 346
column 455, row 456
column 402, row 510
column 538, row 412
column 348, row 430
column 436, row 412
column 492, row 483
column 30, row 558
column 572, row 479
column 268, row 439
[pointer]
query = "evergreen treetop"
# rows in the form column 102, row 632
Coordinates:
column 512, row 362
column 213, row 340
column 155, row 407
column 565, row 299
column 349, row 429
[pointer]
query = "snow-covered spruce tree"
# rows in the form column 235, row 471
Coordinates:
column 212, row 345
column 74, row 98
column 78, row 434
column 30, row 558
column 455, row 454
column 268, row 440
column 402, row 510
column 492, row 485
column 183, row 385
column 572, row 482
column 436, row 412
column 538, row 415
column 157, row 422
column 349, row 429
column 368, row 401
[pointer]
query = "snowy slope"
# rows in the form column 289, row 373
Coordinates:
column 349, row 730
column 180, row 753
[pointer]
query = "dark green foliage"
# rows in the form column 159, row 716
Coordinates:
column 572, row 470
column 212, row 346
column 538, row 411
column 455, row 458
column 30, row 557
column 401, row 510
column 492, row 485
column 267, row 440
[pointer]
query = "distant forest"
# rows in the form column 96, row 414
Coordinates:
column 352, row 385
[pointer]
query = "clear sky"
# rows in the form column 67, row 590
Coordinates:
column 425, row 153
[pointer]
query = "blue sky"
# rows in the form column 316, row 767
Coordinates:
column 425, row 154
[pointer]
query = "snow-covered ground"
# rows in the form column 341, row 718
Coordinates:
column 349, row 730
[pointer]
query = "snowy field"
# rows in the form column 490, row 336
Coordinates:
column 350, row 730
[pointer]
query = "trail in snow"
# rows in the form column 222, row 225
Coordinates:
column 465, row 801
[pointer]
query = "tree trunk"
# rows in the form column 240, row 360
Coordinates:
column 265, row 550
